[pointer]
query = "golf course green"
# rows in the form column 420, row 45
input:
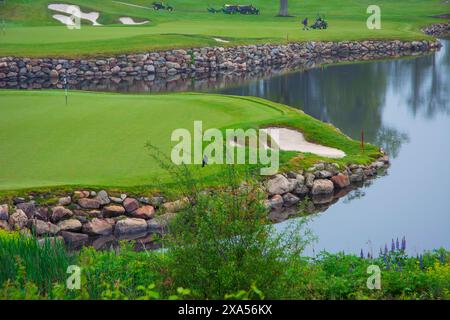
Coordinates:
column 98, row 139
column 30, row 29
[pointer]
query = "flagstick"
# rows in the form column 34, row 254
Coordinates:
column 65, row 87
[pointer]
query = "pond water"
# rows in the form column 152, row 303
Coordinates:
column 402, row 105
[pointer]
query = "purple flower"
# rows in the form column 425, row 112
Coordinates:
column 369, row 256
column 361, row 254
column 403, row 243
column 385, row 249
column 397, row 244
column 381, row 252
column 392, row 246
column 421, row 261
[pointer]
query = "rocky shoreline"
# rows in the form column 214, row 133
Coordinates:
column 100, row 219
column 437, row 29
column 198, row 62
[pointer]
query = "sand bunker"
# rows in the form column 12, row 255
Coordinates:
column 221, row 40
column 292, row 140
column 73, row 11
column 130, row 21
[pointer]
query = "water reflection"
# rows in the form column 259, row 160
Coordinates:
column 352, row 97
column 403, row 105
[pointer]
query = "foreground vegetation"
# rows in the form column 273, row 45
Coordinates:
column 98, row 139
column 221, row 247
column 31, row 30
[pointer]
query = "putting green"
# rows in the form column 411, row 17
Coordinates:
column 31, row 30
column 98, row 139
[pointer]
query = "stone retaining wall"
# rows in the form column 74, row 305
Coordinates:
column 98, row 218
column 199, row 61
column 437, row 29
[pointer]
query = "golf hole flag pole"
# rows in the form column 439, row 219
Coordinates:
column 65, row 86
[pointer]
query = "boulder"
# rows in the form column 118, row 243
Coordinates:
column 70, row 225
column 4, row 225
column 144, row 212
column 301, row 190
column 129, row 226
column 309, row 179
column 290, row 200
column 322, row 186
column 4, row 212
column 40, row 227
column 156, row 201
column 357, row 176
column 87, row 203
column 300, row 180
column 175, row 206
column 65, row 201
column 116, row 200
column 103, row 198
column 323, row 174
column 130, row 204
column 74, row 240
column 377, row 165
column 113, row 211
column 42, row 213
column 60, row 213
column 276, row 202
column 28, row 208
column 160, row 223
column 81, row 194
column 18, row 220
column 280, row 185
column 97, row 227
column 341, row 180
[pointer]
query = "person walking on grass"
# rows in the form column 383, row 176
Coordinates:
column 305, row 24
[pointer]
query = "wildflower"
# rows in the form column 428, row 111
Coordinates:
column 421, row 261
column 392, row 246
column 385, row 249
column 397, row 244
column 361, row 254
column 403, row 243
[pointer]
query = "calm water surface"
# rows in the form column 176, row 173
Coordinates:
column 402, row 105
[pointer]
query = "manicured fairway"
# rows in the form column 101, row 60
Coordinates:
column 31, row 31
column 99, row 139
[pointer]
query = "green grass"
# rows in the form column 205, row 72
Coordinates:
column 25, row 258
column 31, row 31
column 98, row 139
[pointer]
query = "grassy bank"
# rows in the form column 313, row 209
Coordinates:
column 219, row 246
column 31, row 30
column 98, row 139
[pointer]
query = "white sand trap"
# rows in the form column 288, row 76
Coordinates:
column 292, row 140
column 64, row 19
column 75, row 11
column 132, row 5
column 130, row 21
column 221, row 40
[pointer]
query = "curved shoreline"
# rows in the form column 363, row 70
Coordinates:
column 197, row 63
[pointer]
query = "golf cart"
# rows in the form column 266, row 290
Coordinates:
column 161, row 6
